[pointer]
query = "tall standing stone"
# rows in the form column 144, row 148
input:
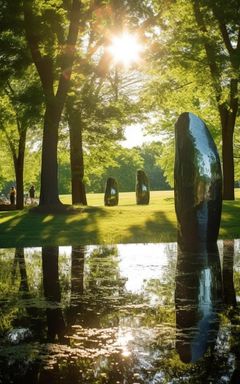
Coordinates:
column 197, row 183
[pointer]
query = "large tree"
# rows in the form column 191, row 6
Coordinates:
column 219, row 30
column 51, row 33
column 20, row 106
column 195, row 66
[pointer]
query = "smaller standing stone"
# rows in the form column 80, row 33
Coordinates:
column 142, row 188
column 111, row 192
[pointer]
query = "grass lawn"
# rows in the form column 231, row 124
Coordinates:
column 96, row 224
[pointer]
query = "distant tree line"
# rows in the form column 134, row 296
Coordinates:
column 127, row 162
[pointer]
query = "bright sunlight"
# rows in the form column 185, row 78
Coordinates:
column 125, row 49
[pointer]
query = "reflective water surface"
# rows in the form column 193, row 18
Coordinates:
column 121, row 314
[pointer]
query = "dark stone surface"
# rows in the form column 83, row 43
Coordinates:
column 111, row 192
column 198, row 302
column 142, row 188
column 197, row 183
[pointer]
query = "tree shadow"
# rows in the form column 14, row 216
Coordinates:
column 230, row 220
column 158, row 228
column 28, row 228
column 38, row 229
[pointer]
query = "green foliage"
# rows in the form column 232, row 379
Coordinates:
column 153, row 155
column 192, row 68
column 128, row 162
column 7, row 176
column 125, row 163
column 64, row 179
column 32, row 166
column 14, row 55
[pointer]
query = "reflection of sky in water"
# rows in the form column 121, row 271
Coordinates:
column 140, row 262
column 137, row 262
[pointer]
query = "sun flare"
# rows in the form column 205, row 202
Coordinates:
column 125, row 49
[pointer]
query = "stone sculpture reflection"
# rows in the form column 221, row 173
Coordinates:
column 197, row 183
column 198, row 300
column 111, row 192
column 142, row 188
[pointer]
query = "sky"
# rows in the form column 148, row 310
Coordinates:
column 135, row 137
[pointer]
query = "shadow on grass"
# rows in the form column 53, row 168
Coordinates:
column 28, row 228
column 83, row 226
column 158, row 229
column 230, row 221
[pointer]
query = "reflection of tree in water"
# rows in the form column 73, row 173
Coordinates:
column 23, row 296
column 163, row 288
column 232, row 310
column 20, row 260
column 77, row 284
column 51, row 285
column 96, row 285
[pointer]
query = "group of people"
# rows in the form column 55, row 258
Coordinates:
column 12, row 195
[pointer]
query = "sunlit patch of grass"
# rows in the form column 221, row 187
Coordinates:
column 48, row 218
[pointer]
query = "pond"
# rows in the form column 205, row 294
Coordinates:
column 120, row 314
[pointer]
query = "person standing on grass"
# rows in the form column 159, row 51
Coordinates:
column 12, row 195
column 32, row 194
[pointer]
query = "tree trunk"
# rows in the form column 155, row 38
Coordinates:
column 76, row 156
column 228, row 120
column 52, row 292
column 229, row 293
column 19, row 255
column 49, row 170
column 55, row 92
column 228, row 162
column 19, row 185
column 19, row 166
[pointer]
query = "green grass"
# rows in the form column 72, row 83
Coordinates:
column 96, row 224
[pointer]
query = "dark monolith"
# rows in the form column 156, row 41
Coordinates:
column 111, row 192
column 142, row 188
column 197, row 183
